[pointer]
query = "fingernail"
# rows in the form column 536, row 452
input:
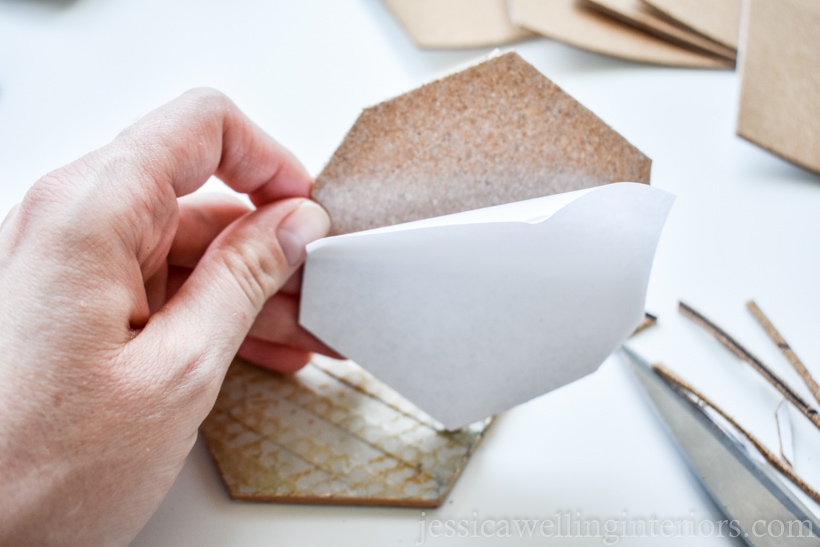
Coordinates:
column 308, row 222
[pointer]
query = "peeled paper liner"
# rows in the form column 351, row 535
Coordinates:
column 570, row 22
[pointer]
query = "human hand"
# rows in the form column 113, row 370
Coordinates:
column 121, row 308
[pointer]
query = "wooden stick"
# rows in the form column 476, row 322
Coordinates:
column 787, row 350
column 770, row 457
column 784, row 388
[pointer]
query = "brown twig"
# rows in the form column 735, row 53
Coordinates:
column 648, row 321
column 787, row 350
column 784, row 388
column 770, row 457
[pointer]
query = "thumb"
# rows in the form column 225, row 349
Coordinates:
column 205, row 322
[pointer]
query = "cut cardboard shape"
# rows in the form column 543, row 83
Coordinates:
column 495, row 133
column 780, row 88
column 640, row 15
column 570, row 22
column 456, row 23
column 470, row 314
column 330, row 434
column 718, row 20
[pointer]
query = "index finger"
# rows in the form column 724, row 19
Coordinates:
column 203, row 133
column 131, row 184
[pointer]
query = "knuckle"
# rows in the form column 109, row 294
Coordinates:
column 208, row 99
column 179, row 382
column 54, row 188
column 96, row 205
column 257, row 269
column 55, row 198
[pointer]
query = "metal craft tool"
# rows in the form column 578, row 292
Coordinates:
column 747, row 491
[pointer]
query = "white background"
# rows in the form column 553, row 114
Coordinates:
column 745, row 225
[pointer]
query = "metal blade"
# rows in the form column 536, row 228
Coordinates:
column 749, row 494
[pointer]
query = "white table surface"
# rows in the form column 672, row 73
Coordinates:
column 745, row 225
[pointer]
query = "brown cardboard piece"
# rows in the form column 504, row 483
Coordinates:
column 570, row 22
column 456, row 23
column 718, row 20
column 495, row 133
column 780, row 88
column 641, row 16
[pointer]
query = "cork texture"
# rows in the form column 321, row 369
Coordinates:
column 495, row 133
column 456, row 23
column 780, row 88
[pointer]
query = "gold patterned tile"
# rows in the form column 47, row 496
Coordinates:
column 331, row 434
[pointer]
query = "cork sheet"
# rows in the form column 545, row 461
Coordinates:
column 495, row 133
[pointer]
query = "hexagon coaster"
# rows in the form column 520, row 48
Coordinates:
column 495, row 133
column 330, row 434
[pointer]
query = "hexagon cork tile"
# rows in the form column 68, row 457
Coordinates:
column 495, row 133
